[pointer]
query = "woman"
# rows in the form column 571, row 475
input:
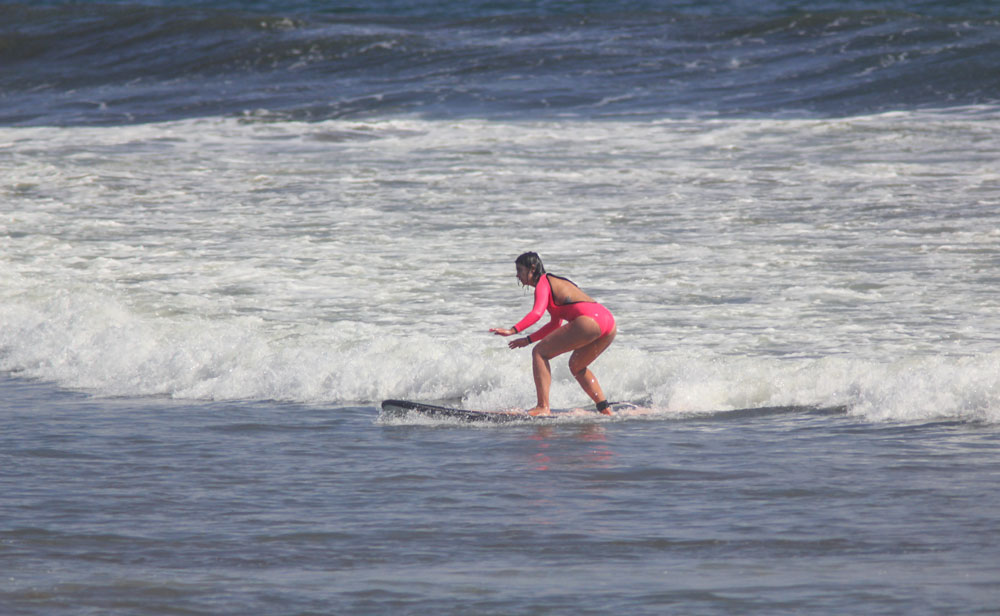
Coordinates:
column 589, row 331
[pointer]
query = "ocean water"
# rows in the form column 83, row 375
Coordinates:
column 229, row 230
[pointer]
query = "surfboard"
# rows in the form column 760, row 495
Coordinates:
column 401, row 409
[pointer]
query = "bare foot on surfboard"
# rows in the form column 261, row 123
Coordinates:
column 539, row 411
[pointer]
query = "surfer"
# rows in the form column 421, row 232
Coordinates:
column 589, row 331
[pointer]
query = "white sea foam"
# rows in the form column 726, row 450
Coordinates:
column 749, row 262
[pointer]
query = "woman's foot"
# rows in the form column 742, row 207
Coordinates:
column 540, row 410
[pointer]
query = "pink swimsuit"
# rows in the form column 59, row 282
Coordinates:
column 564, row 312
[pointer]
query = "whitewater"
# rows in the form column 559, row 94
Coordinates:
column 749, row 262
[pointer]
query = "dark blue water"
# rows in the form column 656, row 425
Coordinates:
column 88, row 63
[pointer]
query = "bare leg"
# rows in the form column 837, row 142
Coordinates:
column 582, row 358
column 577, row 334
column 542, row 372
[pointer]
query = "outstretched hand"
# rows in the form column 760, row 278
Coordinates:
column 517, row 343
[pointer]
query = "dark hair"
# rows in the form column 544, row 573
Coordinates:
column 533, row 263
